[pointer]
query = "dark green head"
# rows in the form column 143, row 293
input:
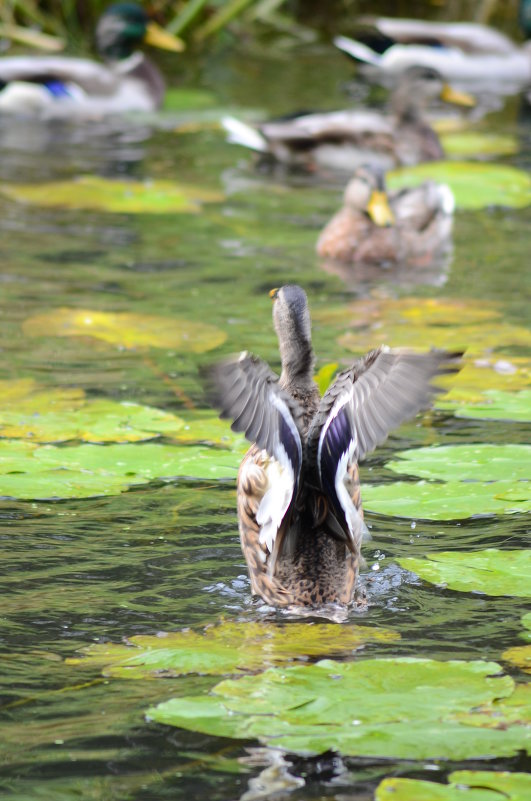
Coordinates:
column 124, row 27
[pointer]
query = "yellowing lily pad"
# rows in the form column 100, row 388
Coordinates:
column 227, row 648
column 102, row 194
column 127, row 330
column 474, row 185
column 29, row 471
column 397, row 708
column 474, row 144
column 325, row 375
column 465, row 785
column 492, row 571
column 476, row 378
column 520, row 655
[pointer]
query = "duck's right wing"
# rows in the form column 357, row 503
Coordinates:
column 246, row 390
column 89, row 75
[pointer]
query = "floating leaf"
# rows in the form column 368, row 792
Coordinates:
column 103, row 194
column 325, row 375
column 496, row 405
column 520, row 655
column 204, row 427
column 475, row 186
column 473, row 144
column 452, row 500
column 186, row 99
column 28, row 471
column 477, row 462
column 127, row 330
column 465, row 785
column 475, row 378
column 400, row 708
column 227, row 648
column 491, row 571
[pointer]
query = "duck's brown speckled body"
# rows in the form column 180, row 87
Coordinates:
column 299, row 499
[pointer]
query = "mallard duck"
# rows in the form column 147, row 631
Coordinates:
column 477, row 55
column 78, row 87
column 348, row 139
column 298, row 490
column 375, row 226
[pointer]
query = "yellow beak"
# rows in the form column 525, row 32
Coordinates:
column 379, row 209
column 158, row 37
column 273, row 294
column 450, row 95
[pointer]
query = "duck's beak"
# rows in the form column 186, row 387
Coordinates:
column 379, row 210
column 158, row 37
column 273, row 294
column 451, row 95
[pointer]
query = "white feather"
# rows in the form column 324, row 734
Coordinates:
column 277, row 498
column 239, row 133
column 358, row 530
column 357, row 50
column 447, row 198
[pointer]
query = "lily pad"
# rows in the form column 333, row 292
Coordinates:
column 29, row 471
column 474, row 144
column 465, row 785
column 399, row 708
column 325, row 375
column 227, row 648
column 186, row 99
column 496, row 405
column 478, row 462
column 474, row 185
column 520, row 655
column 451, row 500
column 93, row 193
column 473, row 381
column 127, row 330
column 491, row 571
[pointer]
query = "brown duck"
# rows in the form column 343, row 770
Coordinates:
column 374, row 226
column 299, row 500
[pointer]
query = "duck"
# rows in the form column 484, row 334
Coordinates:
column 344, row 140
column 298, row 489
column 375, row 226
column 63, row 86
column 475, row 55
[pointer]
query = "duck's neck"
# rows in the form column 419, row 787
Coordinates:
column 297, row 358
column 406, row 106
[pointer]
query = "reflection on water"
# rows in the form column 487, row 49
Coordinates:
column 167, row 556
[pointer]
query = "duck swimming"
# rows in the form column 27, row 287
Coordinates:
column 379, row 227
column 347, row 139
column 298, row 489
column 62, row 86
column 472, row 54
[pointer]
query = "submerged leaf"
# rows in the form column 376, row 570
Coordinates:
column 227, row 648
column 399, row 708
column 475, row 186
column 465, row 785
column 103, row 194
column 520, row 655
column 127, row 330
column 491, row 571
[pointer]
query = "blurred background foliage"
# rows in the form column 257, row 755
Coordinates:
column 198, row 22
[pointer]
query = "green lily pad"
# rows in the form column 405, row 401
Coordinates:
column 496, row 405
column 29, row 471
column 227, row 648
column 465, row 785
column 491, row 571
column 103, row 194
column 451, row 500
column 474, row 185
column 520, row 655
column 186, row 99
column 127, row 330
column 466, row 462
column 471, row 144
column 399, row 708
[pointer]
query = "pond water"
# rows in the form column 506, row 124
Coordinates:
column 165, row 555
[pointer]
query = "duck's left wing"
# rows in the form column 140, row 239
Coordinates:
column 360, row 409
column 246, row 390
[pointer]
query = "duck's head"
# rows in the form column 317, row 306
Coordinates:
column 291, row 318
column 366, row 194
column 419, row 86
column 124, row 27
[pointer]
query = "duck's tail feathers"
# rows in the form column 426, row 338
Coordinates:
column 358, row 50
column 239, row 133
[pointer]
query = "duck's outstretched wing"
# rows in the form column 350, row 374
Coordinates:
column 357, row 413
column 246, row 391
